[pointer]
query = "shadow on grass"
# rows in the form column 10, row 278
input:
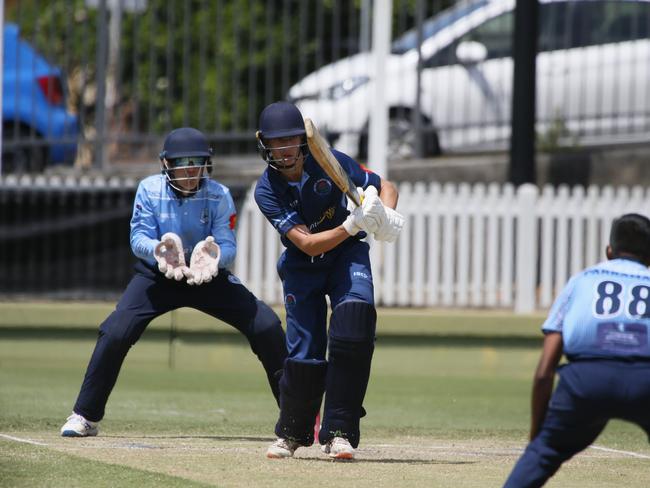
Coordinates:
column 227, row 337
column 386, row 461
column 224, row 438
column 209, row 437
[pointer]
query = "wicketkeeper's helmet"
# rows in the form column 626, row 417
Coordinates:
column 185, row 148
column 280, row 119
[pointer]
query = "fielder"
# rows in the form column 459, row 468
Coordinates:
column 324, row 256
column 601, row 322
column 182, row 231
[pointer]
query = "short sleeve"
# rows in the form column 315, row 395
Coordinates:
column 281, row 216
column 555, row 320
column 359, row 174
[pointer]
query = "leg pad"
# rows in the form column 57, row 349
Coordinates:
column 351, row 345
column 301, row 393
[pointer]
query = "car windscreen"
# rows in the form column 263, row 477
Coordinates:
column 409, row 40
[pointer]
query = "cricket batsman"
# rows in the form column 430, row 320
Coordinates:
column 182, row 231
column 325, row 256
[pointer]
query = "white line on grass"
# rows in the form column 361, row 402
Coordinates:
column 26, row 441
column 628, row 453
column 456, row 449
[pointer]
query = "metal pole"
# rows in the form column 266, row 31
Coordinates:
column 364, row 33
column 522, row 139
column 417, row 119
column 114, row 36
column 100, row 101
column 378, row 132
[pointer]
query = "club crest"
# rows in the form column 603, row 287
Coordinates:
column 323, row 187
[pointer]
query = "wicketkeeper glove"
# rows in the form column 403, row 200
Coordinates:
column 204, row 263
column 391, row 227
column 170, row 257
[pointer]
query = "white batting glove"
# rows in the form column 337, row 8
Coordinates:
column 204, row 263
column 170, row 257
column 392, row 226
column 373, row 210
column 355, row 222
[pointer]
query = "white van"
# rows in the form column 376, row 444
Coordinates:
column 593, row 79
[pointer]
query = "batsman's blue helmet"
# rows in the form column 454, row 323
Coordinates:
column 281, row 119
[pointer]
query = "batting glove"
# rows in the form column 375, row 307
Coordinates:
column 355, row 222
column 373, row 210
column 392, row 226
column 204, row 263
column 170, row 257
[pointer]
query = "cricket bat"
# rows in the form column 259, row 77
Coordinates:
column 324, row 157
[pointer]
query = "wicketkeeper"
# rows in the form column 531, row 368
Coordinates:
column 182, row 231
column 324, row 256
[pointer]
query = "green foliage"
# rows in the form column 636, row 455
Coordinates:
column 557, row 136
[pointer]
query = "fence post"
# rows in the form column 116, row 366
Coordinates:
column 526, row 251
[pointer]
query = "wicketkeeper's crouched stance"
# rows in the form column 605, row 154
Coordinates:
column 182, row 230
column 325, row 256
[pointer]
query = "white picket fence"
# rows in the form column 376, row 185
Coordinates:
column 468, row 246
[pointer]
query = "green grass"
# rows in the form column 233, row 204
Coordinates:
column 447, row 406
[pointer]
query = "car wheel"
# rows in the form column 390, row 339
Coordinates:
column 402, row 138
column 19, row 154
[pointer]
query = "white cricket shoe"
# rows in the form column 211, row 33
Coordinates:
column 77, row 426
column 282, row 448
column 339, row 448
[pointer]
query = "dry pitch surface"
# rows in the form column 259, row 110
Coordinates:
column 410, row 461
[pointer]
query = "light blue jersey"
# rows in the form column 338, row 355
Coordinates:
column 604, row 312
column 158, row 209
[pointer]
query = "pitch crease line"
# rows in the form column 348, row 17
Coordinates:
column 26, row 441
column 629, row 453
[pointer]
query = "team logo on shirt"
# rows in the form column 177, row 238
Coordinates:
column 290, row 300
column 323, row 187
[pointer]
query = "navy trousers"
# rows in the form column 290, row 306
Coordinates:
column 149, row 295
column 344, row 274
column 588, row 395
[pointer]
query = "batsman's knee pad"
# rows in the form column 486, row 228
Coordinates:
column 351, row 345
column 301, row 392
column 353, row 321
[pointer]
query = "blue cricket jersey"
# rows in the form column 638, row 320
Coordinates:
column 315, row 202
column 157, row 209
column 604, row 312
